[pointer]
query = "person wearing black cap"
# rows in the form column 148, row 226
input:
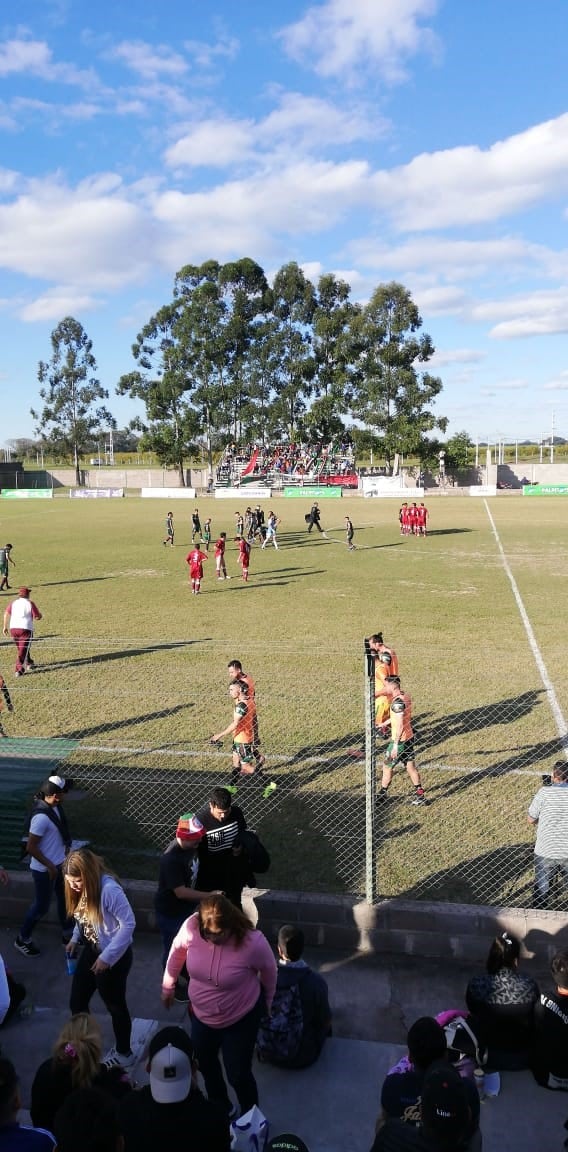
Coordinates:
column 47, row 845
column 19, row 622
column 171, row 1104
column 445, row 1118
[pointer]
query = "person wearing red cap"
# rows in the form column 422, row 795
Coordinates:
column 19, row 623
column 177, row 897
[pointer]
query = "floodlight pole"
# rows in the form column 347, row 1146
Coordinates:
column 370, row 779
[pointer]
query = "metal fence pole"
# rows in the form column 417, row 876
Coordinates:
column 370, row 779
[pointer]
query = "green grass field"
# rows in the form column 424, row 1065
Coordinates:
column 132, row 672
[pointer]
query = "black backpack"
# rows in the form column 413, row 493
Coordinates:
column 257, row 855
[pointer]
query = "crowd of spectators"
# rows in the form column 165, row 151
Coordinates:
column 288, row 459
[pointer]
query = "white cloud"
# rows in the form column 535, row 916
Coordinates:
column 539, row 313
column 56, row 304
column 456, row 356
column 298, row 124
column 559, row 384
column 212, row 143
column 468, row 185
column 89, row 236
column 34, row 57
column 443, row 300
column 150, row 60
column 205, row 54
column 340, row 37
column 461, row 259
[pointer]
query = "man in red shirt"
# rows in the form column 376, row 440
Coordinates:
column 220, row 557
column 244, row 556
column 195, row 560
column 400, row 748
column 421, row 519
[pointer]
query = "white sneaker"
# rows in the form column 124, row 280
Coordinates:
column 114, row 1059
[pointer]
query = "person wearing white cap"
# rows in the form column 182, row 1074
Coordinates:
column 171, row 1105
column 47, row 845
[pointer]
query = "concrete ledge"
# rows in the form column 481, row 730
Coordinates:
column 396, row 927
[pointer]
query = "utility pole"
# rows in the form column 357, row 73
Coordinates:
column 552, row 438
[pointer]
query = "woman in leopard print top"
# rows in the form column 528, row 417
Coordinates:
column 502, row 1002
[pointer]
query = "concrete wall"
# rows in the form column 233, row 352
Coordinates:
column 395, row 927
column 123, row 478
column 533, row 473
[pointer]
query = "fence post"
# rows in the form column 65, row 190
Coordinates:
column 370, row 779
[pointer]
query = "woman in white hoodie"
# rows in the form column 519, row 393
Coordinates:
column 104, row 926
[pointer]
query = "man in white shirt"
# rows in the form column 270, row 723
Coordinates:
column 19, row 621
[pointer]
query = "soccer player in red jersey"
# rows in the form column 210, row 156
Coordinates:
column 220, row 557
column 422, row 519
column 244, row 556
column 413, row 518
column 400, row 748
column 195, row 560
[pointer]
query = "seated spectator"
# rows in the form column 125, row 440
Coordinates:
column 171, row 1108
column 292, row 1038
column 15, row 1137
column 75, row 1063
column 445, row 1118
column 287, row 1142
column 401, row 1092
column 502, row 1002
column 88, row 1122
column 550, row 1061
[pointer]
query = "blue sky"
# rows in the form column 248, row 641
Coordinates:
column 414, row 140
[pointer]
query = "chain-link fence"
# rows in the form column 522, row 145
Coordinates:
column 131, row 722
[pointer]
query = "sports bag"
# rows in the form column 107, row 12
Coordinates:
column 463, row 1042
column 280, row 1034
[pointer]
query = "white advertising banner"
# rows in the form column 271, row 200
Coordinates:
column 389, row 486
column 483, row 490
column 168, row 493
column 244, row 494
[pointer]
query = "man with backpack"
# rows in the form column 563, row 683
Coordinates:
column 48, row 842
column 294, row 1034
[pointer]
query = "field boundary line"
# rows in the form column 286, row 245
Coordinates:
column 559, row 719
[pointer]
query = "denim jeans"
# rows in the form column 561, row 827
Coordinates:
column 545, row 871
column 45, row 888
column 236, row 1043
column 111, row 987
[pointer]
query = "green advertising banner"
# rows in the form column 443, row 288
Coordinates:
column 545, row 489
column 310, row 492
column 26, row 494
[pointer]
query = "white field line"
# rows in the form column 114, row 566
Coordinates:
column 559, row 719
column 146, row 750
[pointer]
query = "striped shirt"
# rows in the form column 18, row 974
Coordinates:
column 550, row 808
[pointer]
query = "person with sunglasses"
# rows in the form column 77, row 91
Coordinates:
column 232, row 973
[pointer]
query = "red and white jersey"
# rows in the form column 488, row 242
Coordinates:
column 195, row 560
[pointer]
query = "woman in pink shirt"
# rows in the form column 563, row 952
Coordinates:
column 232, row 973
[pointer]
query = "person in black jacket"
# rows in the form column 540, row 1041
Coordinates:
column 550, row 1060
column 314, row 998
column 502, row 1002
column 76, row 1063
column 314, row 519
column 223, row 866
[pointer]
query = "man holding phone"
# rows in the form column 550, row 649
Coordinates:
column 549, row 811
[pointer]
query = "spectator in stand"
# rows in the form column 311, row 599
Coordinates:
column 233, row 978
column 104, row 926
column 222, row 863
column 177, row 895
column 502, row 1002
column 19, row 620
column 76, row 1062
column 402, row 1090
column 550, row 1058
column 88, row 1122
column 170, row 1111
column 47, row 844
column 15, row 1137
column 314, row 998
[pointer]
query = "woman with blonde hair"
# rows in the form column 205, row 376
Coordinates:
column 75, row 1063
column 232, row 973
column 104, row 926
